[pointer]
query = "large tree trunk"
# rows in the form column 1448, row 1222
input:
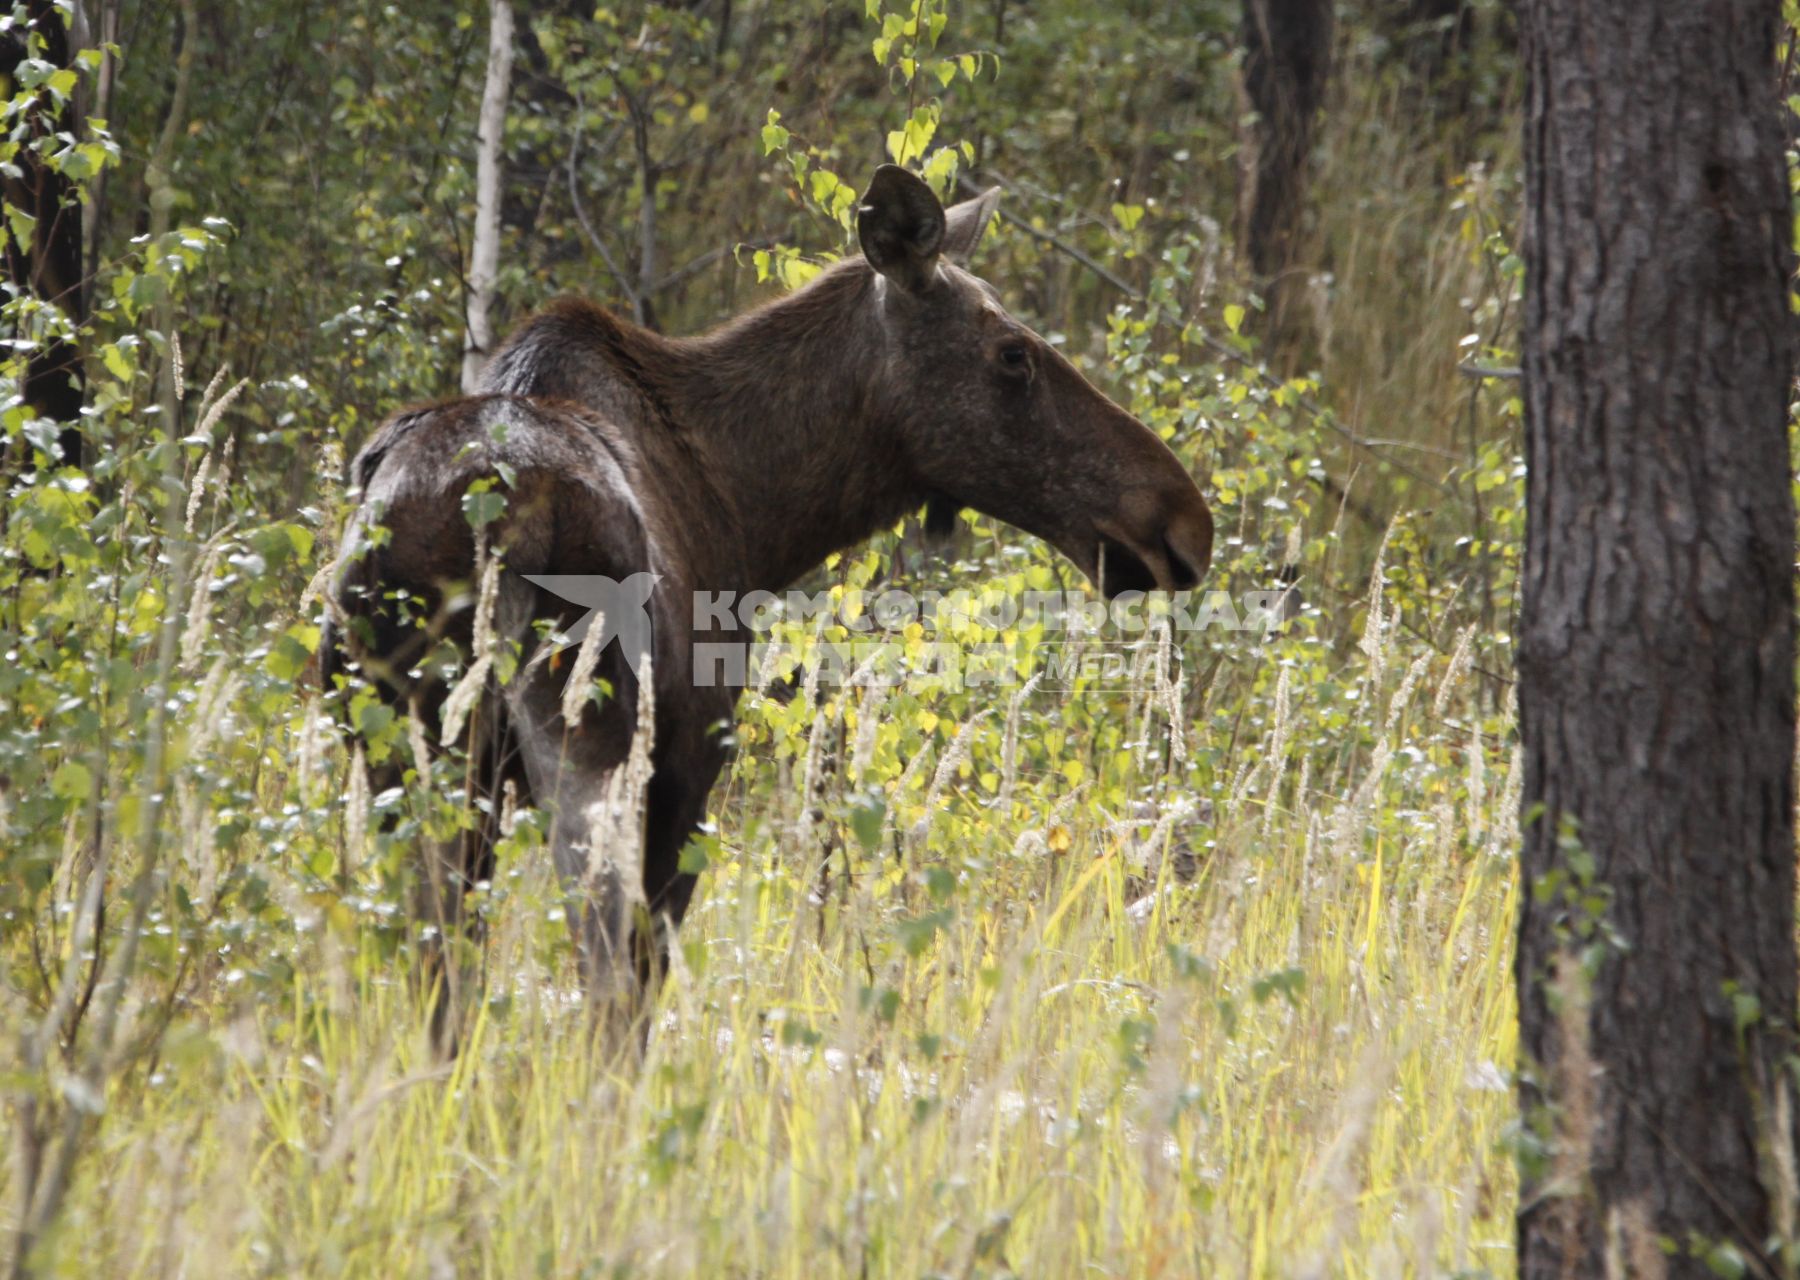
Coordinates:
column 484, row 255
column 1287, row 64
column 49, row 267
column 1656, row 956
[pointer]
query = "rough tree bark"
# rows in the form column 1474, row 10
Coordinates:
column 1287, row 64
column 1656, row 654
column 50, row 266
column 484, row 254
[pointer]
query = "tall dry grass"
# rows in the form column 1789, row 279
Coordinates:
column 1294, row 1064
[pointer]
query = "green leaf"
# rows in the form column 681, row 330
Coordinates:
column 916, row 934
column 796, row 271
column 885, row 1002
column 940, row 170
column 1723, row 1259
column 911, row 141
column 1234, row 317
column 372, row 717
column 72, row 781
column 1128, row 215
column 867, row 812
column 694, row 857
column 290, row 654
column 1286, row 983
column 23, row 226
column 301, row 538
column 797, row 1033
column 483, row 503
column 774, row 137
column 115, row 362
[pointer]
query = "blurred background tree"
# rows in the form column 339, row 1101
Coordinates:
column 338, row 142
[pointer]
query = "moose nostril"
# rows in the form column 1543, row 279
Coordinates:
column 1182, row 573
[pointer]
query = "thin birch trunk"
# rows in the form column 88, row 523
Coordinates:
column 484, row 257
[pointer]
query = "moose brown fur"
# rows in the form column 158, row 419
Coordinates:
column 733, row 461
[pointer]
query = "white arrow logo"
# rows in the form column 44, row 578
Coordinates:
column 623, row 608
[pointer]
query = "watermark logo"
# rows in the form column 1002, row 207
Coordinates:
column 963, row 638
column 623, row 609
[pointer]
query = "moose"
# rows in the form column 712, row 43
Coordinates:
column 734, row 461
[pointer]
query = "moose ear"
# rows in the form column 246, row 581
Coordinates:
column 901, row 227
column 966, row 223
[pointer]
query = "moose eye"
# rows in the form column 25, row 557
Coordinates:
column 1014, row 355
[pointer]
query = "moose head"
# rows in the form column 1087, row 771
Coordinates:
column 1001, row 421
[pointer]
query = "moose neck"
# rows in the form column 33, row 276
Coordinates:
column 779, row 421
